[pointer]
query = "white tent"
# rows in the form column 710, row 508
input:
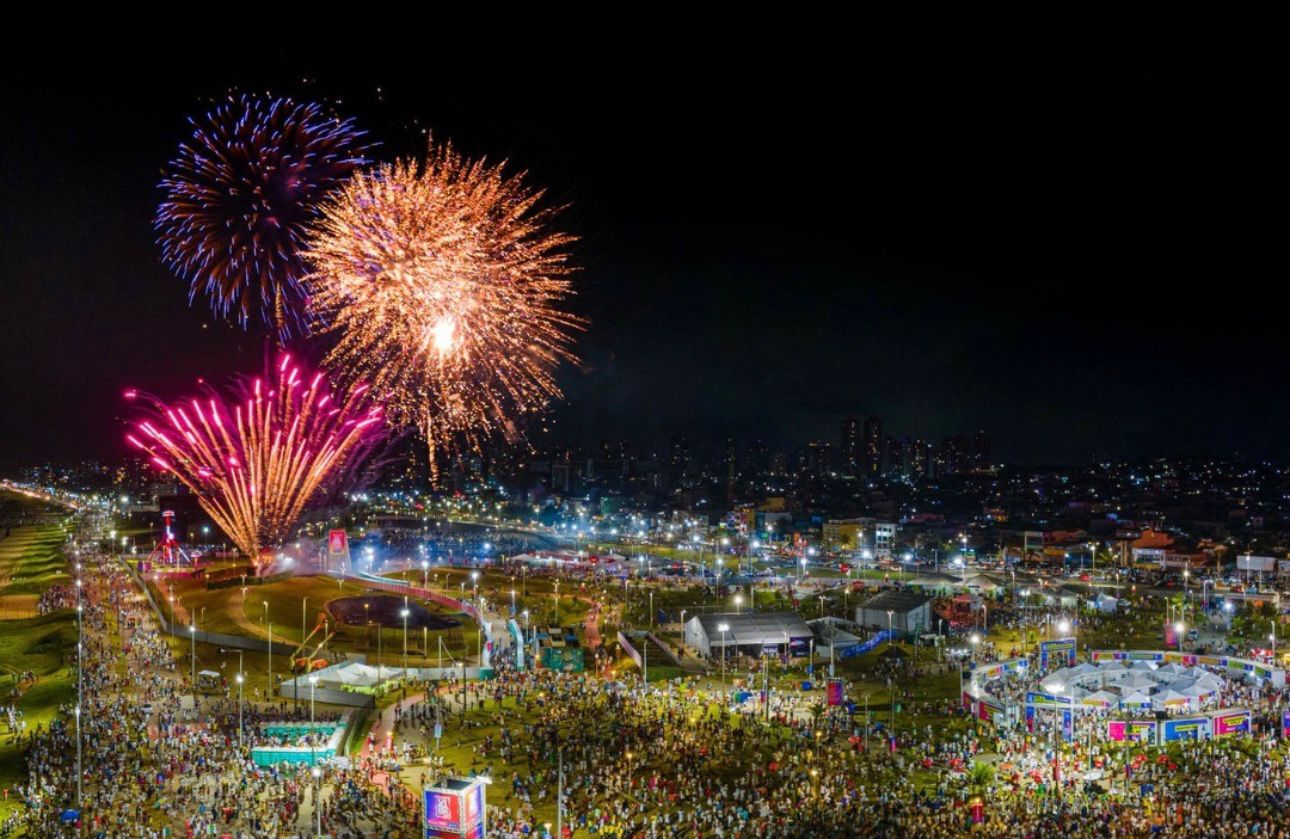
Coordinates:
column 1085, row 667
column 1100, row 698
column 1172, row 668
column 1134, row 681
column 1170, row 697
column 1136, row 700
column 1143, row 665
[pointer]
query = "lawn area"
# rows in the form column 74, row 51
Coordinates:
column 31, row 560
column 230, row 611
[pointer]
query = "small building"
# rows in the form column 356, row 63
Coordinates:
column 748, row 633
column 905, row 611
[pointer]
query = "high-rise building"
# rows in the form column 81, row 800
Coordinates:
column 872, row 446
column 980, row 452
column 852, row 447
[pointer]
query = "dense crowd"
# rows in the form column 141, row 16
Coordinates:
column 624, row 761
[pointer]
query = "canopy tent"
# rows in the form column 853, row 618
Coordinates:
column 1136, row 700
column 1102, row 698
column 1133, row 681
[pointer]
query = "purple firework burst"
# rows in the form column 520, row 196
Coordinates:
column 240, row 197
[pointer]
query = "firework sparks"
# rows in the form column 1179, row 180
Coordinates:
column 239, row 198
column 256, row 462
column 441, row 282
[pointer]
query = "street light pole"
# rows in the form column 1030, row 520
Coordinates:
column 723, row 629
column 405, row 613
column 78, row 755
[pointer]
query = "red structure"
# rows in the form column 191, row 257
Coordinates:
column 167, row 551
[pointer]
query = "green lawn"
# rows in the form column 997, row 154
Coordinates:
column 229, row 611
column 31, row 560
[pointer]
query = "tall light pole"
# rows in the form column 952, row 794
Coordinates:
column 1179, row 628
column 192, row 659
column 405, row 614
column 890, row 635
column 313, row 685
column 723, row 629
column 78, row 754
column 304, row 604
column 239, row 708
column 268, row 656
column 317, row 775
column 739, row 599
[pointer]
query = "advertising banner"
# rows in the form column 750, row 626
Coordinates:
column 1186, row 728
column 1230, row 721
column 1068, row 724
column 1133, row 731
column 1285, row 725
column 443, row 810
column 455, row 809
column 1061, row 649
column 834, row 692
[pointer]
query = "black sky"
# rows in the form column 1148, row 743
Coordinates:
column 1075, row 255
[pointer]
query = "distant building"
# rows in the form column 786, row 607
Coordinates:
column 843, row 534
column 852, row 447
column 873, row 446
column 907, row 612
column 884, row 538
column 748, row 633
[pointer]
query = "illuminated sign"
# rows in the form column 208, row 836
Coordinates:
column 1187, row 728
column 443, row 810
column 1231, row 722
column 337, row 543
column 1060, row 647
column 1134, row 731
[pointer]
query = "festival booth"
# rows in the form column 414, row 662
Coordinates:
column 1250, row 669
column 293, row 733
column 455, row 809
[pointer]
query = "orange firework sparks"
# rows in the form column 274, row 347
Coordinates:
column 441, row 281
column 253, row 466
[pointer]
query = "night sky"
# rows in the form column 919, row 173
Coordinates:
column 1076, row 260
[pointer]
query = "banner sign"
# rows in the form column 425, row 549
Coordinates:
column 1285, row 725
column 455, row 809
column 1258, row 669
column 443, row 810
column 1186, row 728
column 1231, row 721
column 992, row 710
column 1068, row 724
column 834, row 692
column 1046, row 700
column 337, row 543
column 990, row 672
column 1061, row 647
column 1134, row 731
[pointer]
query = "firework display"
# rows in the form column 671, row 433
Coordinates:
column 255, row 463
column 441, row 283
column 240, row 196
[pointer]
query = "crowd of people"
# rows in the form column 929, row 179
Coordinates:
column 678, row 759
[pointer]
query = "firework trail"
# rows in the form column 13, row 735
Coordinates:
column 240, row 197
column 441, row 284
column 256, row 461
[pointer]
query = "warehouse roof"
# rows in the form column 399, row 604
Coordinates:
column 754, row 627
column 896, row 600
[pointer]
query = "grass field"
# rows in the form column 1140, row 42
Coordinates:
column 31, row 560
column 300, row 600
